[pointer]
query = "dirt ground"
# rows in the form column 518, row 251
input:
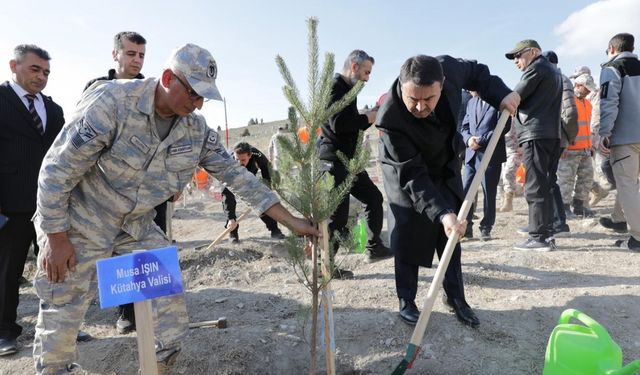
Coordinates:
column 517, row 295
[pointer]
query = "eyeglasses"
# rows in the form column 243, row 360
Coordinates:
column 606, row 52
column 519, row 54
column 192, row 94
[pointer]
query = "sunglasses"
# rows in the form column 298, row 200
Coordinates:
column 519, row 54
column 192, row 94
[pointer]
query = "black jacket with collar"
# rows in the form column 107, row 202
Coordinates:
column 419, row 158
column 22, row 149
column 340, row 133
column 540, row 89
column 111, row 75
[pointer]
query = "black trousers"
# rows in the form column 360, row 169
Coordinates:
column 271, row 224
column 539, row 158
column 559, row 216
column 364, row 190
column 15, row 238
column 407, row 275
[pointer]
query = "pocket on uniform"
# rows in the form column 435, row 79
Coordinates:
column 180, row 169
column 57, row 294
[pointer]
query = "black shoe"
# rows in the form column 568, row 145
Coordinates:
column 580, row 210
column 277, row 235
column 485, row 235
column 341, row 274
column 533, row 244
column 463, row 311
column 562, row 228
column 378, row 252
column 83, row 337
column 631, row 244
column 8, row 346
column 409, row 312
column 620, row 227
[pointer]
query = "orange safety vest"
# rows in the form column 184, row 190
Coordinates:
column 583, row 139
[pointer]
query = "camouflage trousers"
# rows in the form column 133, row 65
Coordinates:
column 63, row 305
column 575, row 175
column 509, row 169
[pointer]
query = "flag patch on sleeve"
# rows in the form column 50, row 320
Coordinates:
column 82, row 134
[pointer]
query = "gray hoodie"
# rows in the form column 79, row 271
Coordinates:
column 620, row 99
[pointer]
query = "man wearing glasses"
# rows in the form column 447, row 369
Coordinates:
column 131, row 145
column 537, row 125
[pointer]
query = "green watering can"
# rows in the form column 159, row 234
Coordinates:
column 360, row 235
column 576, row 349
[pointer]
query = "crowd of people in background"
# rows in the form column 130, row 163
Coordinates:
column 91, row 189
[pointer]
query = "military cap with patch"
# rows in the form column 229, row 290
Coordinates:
column 198, row 67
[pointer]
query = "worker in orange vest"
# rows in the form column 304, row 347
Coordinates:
column 575, row 169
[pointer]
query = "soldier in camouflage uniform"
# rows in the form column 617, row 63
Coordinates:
column 130, row 146
column 508, row 178
column 575, row 170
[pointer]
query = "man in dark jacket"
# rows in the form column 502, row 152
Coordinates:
column 418, row 153
column 340, row 134
column 254, row 160
column 537, row 125
column 29, row 122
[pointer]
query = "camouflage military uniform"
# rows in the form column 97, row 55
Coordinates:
column 99, row 183
column 575, row 175
column 514, row 159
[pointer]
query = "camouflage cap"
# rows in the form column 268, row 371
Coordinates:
column 580, row 70
column 527, row 43
column 198, row 67
column 587, row 81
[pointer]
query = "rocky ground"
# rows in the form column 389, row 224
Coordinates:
column 517, row 295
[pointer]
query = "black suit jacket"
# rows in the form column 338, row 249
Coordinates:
column 22, row 149
column 419, row 158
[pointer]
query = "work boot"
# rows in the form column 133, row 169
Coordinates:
column 598, row 194
column 580, row 209
column 507, row 203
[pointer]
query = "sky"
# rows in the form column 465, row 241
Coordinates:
column 245, row 36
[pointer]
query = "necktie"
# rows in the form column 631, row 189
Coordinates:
column 34, row 114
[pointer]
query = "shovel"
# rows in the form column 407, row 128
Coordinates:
column 414, row 344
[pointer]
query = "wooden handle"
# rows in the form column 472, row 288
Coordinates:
column 228, row 230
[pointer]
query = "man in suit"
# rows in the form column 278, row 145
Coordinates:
column 29, row 122
column 477, row 129
column 419, row 146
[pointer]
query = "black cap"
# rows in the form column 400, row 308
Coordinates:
column 551, row 56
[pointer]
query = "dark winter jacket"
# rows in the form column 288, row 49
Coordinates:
column 540, row 89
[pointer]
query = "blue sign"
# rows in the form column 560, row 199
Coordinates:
column 139, row 276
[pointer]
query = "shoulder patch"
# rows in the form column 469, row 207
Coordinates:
column 212, row 140
column 604, row 90
column 82, row 134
